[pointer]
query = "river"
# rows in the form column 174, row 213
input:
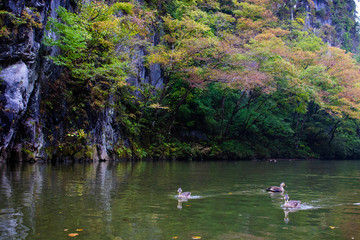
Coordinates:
column 129, row 201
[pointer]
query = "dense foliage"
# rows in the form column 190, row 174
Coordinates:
column 238, row 81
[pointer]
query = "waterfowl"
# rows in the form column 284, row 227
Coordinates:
column 276, row 188
column 183, row 194
column 291, row 203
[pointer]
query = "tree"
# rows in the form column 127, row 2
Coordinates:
column 95, row 44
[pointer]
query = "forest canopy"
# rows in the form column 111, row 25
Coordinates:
column 239, row 80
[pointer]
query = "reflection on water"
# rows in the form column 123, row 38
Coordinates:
column 11, row 224
column 180, row 200
column 276, row 195
column 110, row 200
column 179, row 205
column 286, row 212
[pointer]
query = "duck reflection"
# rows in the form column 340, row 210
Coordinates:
column 286, row 212
column 180, row 201
column 290, row 206
column 279, row 195
column 182, row 197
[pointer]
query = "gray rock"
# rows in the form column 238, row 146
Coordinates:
column 15, row 97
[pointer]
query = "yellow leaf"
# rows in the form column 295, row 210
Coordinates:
column 73, row 234
column 196, row 237
column 332, row 227
column 175, row 237
column 157, row 105
column 230, row 192
column 79, row 230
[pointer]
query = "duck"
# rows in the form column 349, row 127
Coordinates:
column 276, row 188
column 292, row 203
column 183, row 194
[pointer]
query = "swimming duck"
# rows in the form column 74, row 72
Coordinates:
column 183, row 194
column 276, row 188
column 292, row 203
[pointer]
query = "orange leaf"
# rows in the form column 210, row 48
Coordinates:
column 79, row 230
column 332, row 227
column 175, row 237
column 73, row 234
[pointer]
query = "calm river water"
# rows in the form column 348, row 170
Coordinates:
column 129, row 201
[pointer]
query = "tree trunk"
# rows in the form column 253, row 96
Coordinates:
column 236, row 109
column 222, row 114
column 333, row 130
column 177, row 108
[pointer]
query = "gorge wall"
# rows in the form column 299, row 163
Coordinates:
column 28, row 78
column 31, row 123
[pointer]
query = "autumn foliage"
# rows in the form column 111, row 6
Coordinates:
column 232, row 72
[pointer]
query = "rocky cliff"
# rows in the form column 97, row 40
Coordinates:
column 23, row 71
column 33, row 106
column 29, row 87
column 334, row 21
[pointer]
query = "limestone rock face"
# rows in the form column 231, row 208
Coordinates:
column 15, row 97
column 23, row 69
column 29, row 80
